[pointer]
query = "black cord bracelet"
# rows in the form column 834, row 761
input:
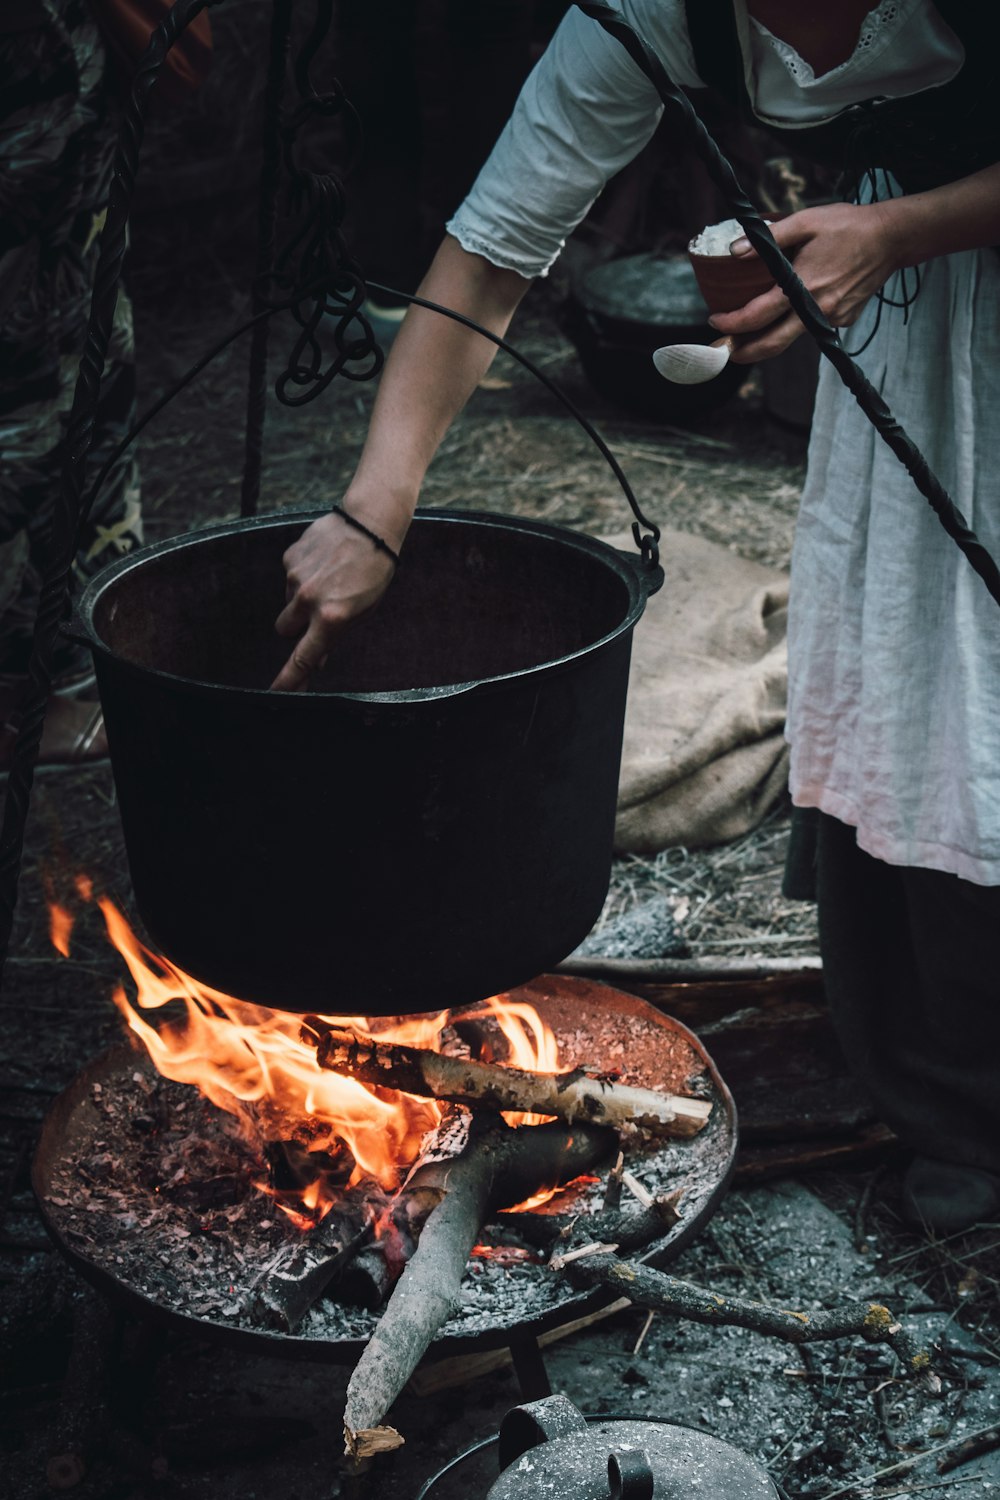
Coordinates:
column 373, row 536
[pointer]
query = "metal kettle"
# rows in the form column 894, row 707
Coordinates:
column 549, row 1451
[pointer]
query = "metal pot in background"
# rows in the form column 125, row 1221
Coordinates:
column 433, row 824
column 619, row 311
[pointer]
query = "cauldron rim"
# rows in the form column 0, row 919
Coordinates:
column 639, row 580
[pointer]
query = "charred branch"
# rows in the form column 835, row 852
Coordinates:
column 613, row 1186
column 291, row 1287
column 498, row 1167
column 987, row 1440
column 626, row 1231
column 369, row 1278
column 574, row 1096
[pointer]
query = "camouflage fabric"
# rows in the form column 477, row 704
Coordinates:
column 57, row 132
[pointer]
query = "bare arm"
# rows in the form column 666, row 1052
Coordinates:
column 334, row 573
column 844, row 252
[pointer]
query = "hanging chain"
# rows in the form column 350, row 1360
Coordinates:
column 315, row 271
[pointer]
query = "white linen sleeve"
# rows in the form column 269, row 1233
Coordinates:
column 584, row 112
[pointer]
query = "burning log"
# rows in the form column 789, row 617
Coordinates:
column 369, row 1278
column 372, row 1275
column 291, row 1286
column 498, row 1167
column 574, row 1096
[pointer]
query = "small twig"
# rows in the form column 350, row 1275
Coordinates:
column 976, row 1356
column 919, row 1489
column 627, row 1231
column 974, row 1446
column 861, row 1213
column 613, row 1187
column 580, row 1252
column 650, row 1315
column 637, row 1189
column 903, row 1466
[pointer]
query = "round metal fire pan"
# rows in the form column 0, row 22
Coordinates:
column 72, row 1119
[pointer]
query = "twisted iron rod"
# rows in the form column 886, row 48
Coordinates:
column 760, row 237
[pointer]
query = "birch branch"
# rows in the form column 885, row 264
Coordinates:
column 575, row 1096
column 498, row 1167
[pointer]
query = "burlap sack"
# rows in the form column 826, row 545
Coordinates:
column 704, row 757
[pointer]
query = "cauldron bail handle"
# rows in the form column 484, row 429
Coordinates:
column 535, row 1422
column 801, row 299
column 645, row 532
column 629, row 1475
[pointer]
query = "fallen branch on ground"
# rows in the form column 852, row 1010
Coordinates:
column 987, row 1440
column 648, row 1288
column 575, row 1096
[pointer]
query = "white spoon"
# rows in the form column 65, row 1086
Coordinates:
column 693, row 364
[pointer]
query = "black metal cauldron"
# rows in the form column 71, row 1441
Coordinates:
column 432, row 824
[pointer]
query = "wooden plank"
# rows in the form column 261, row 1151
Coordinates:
column 446, row 1374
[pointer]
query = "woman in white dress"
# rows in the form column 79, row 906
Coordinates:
column 894, row 643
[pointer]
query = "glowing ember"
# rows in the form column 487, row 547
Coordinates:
column 253, row 1063
column 537, row 1199
column 506, row 1255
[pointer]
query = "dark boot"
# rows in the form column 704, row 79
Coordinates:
column 945, row 1199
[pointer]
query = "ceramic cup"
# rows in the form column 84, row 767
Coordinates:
column 730, row 281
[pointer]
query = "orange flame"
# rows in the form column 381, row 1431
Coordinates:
column 61, row 919
column 252, row 1062
column 61, row 923
column 533, row 1046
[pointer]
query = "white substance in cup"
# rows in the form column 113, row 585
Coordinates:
column 715, row 239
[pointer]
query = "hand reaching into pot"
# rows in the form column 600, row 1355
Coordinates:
column 336, row 573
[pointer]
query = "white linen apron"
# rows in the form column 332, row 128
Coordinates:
column 894, row 643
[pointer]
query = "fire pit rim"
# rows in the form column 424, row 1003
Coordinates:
column 638, row 580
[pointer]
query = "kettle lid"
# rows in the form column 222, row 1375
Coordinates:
column 550, row 1451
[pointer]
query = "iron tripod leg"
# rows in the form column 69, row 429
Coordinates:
column 529, row 1367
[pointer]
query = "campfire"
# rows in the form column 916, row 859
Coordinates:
column 380, row 1185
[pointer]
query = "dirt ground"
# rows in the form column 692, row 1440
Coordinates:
column 161, row 1418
